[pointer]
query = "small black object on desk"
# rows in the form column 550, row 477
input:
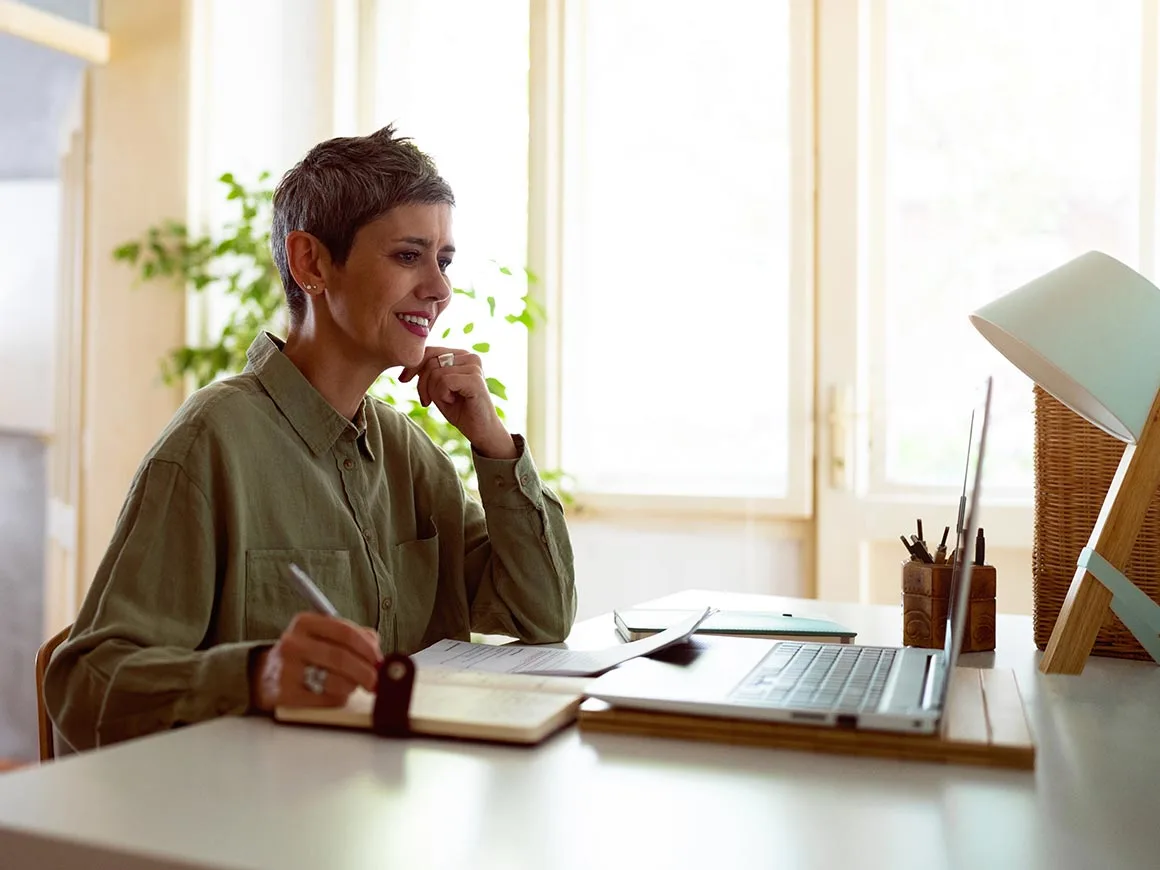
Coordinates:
column 392, row 713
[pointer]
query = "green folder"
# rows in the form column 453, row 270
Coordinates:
column 637, row 623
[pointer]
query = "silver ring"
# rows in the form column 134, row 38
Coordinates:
column 446, row 359
column 314, row 679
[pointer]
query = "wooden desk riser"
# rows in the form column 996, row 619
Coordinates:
column 987, row 726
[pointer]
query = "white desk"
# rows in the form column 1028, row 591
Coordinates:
column 245, row 793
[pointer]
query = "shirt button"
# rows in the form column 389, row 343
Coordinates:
column 386, row 604
column 367, row 534
column 348, row 464
column 499, row 480
column 524, row 479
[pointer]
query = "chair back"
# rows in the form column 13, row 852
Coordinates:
column 43, row 656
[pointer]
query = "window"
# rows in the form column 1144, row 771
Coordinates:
column 965, row 148
column 453, row 75
column 681, row 315
column 1001, row 159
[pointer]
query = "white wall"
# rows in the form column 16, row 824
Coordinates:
column 138, row 123
column 621, row 562
column 29, row 222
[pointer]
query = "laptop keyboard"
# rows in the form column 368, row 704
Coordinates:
column 818, row 677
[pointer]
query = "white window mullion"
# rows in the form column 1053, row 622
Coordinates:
column 798, row 500
column 546, row 108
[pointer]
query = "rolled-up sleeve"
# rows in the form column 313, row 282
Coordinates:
column 134, row 663
column 519, row 564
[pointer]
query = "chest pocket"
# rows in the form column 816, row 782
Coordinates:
column 415, row 565
column 272, row 599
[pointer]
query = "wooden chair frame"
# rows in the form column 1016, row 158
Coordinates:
column 43, row 656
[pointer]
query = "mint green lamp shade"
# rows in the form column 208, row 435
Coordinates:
column 1088, row 333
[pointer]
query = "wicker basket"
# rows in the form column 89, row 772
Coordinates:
column 1074, row 466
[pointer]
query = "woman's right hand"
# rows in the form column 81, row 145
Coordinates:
column 349, row 655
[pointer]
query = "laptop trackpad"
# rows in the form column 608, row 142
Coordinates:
column 706, row 669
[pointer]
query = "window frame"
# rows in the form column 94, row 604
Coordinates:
column 555, row 43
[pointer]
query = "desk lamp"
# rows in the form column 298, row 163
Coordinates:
column 1088, row 333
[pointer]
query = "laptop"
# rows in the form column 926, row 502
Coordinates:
column 900, row 689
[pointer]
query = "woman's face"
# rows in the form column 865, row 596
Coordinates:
column 384, row 300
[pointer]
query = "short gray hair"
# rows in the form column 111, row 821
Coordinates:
column 340, row 186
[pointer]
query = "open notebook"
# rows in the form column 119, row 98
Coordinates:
column 510, row 693
column 475, row 705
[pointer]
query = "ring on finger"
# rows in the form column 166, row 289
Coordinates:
column 314, row 679
column 446, row 359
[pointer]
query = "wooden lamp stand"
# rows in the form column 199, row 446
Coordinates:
column 1099, row 582
column 1086, row 332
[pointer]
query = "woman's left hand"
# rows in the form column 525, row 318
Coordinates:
column 453, row 380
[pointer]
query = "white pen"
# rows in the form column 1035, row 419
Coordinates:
column 319, row 602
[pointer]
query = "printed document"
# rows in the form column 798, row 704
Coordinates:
column 522, row 659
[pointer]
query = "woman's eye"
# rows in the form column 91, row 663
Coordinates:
column 410, row 256
column 444, row 264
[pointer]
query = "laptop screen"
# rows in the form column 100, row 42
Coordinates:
column 967, row 528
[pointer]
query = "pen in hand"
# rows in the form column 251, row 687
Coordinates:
column 307, row 588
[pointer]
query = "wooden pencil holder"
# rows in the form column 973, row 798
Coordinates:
column 926, row 598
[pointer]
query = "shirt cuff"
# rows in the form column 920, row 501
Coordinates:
column 509, row 483
column 206, row 684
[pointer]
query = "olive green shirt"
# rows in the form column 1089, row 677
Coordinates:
column 258, row 471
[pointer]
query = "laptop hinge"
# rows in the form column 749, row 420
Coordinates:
column 929, row 682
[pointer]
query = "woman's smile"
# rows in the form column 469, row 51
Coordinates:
column 416, row 322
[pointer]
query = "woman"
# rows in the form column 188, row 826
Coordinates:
column 192, row 614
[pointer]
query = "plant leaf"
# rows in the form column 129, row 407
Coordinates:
column 496, row 388
column 481, row 347
column 129, row 251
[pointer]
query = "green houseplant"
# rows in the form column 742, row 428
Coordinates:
column 238, row 264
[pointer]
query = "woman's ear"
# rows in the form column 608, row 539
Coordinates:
column 309, row 261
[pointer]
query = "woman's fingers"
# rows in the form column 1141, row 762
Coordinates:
column 360, row 640
column 440, row 382
column 294, row 692
column 435, row 369
column 467, row 384
column 301, row 651
column 348, row 653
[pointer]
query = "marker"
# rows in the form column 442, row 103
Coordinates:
column 306, row 587
column 980, row 548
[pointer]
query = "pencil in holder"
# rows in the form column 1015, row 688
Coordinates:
column 926, row 600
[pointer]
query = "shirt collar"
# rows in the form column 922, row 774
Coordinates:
column 313, row 418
